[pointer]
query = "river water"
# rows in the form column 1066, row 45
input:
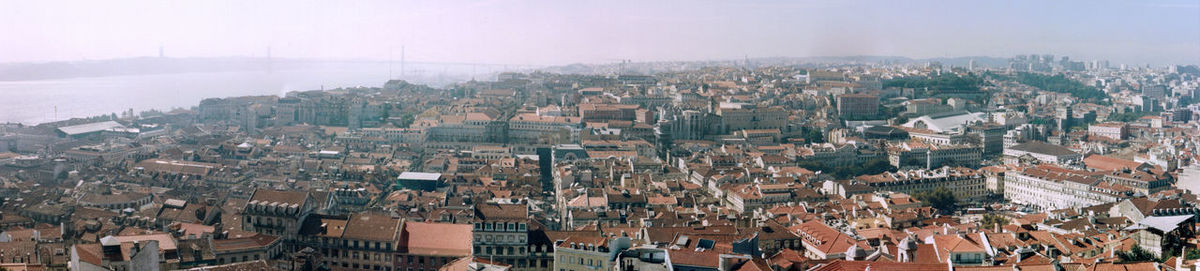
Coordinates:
column 33, row 102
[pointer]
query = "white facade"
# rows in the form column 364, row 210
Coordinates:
column 1050, row 188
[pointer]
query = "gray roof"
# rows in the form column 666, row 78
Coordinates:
column 90, row 127
column 948, row 121
column 1161, row 223
column 420, row 176
column 1043, row 148
column 568, row 147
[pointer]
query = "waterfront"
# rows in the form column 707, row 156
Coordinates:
column 33, row 102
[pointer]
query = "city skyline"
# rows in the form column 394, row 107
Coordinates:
column 1155, row 33
column 813, row 135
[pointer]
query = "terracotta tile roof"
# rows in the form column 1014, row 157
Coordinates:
column 786, row 258
column 288, row 197
column 662, row 200
column 245, row 243
column 373, row 227
column 947, row 244
column 115, row 198
column 502, row 212
column 695, row 258
column 983, row 268
column 756, row 264
column 825, row 238
column 437, row 239
column 927, row 253
column 165, row 241
column 842, row 265
column 90, row 253
column 1124, row 267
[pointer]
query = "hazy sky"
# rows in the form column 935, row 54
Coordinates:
column 562, row 32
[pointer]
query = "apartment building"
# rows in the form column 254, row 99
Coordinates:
column 277, row 213
column 501, row 233
column 1113, row 130
column 857, row 105
column 1050, row 187
column 581, row 253
column 966, row 183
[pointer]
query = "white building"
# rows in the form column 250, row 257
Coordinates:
column 965, row 183
column 1049, row 187
column 947, row 122
column 533, row 128
column 1113, row 130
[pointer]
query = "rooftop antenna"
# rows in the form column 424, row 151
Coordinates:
column 160, row 50
column 401, row 61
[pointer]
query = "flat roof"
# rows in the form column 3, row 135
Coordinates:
column 89, row 127
column 1043, row 148
column 420, row 176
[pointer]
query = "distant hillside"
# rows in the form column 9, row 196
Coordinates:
column 654, row 67
column 147, row 65
column 157, row 65
column 127, row 66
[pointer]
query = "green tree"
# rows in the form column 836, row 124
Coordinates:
column 1185, row 101
column 992, row 220
column 940, row 198
column 1192, row 254
column 1135, row 254
column 1060, row 83
column 406, row 120
column 938, row 83
column 874, row 166
column 814, row 136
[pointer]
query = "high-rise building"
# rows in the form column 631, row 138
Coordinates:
column 1064, row 117
column 1155, row 91
column 857, row 105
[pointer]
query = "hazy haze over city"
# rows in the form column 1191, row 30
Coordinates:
column 563, row 32
column 623, row 135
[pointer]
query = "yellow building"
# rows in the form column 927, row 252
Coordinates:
column 578, row 253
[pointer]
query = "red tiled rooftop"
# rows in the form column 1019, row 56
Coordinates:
column 841, row 265
column 437, row 239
